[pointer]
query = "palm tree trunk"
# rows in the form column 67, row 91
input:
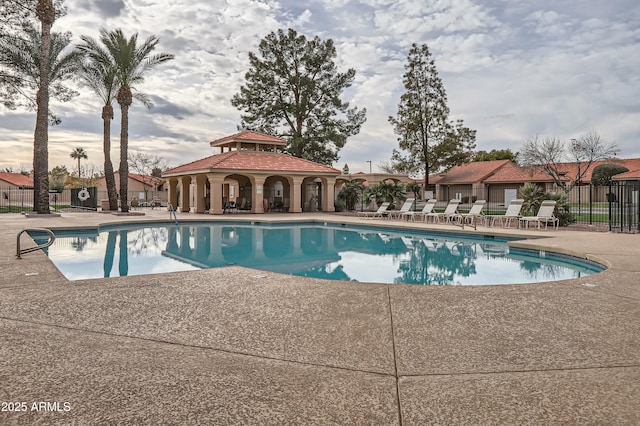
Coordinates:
column 46, row 15
column 124, row 164
column 112, row 193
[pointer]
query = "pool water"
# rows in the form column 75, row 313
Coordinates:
column 327, row 251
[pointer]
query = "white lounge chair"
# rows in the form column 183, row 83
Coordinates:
column 545, row 215
column 512, row 214
column 395, row 214
column 474, row 214
column 378, row 213
column 428, row 208
column 450, row 211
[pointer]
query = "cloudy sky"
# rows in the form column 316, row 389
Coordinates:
column 512, row 69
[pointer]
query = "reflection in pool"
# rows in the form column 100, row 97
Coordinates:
column 320, row 251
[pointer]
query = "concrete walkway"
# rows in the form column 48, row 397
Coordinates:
column 236, row 346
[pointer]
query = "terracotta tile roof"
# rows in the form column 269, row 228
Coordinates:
column 513, row 173
column 630, row 175
column 147, row 180
column 16, row 179
column 570, row 171
column 471, row 172
column 253, row 161
column 249, row 136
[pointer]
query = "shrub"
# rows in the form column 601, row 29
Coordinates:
column 602, row 174
column 563, row 207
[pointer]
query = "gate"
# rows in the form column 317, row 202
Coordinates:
column 624, row 209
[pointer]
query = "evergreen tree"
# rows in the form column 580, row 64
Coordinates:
column 495, row 154
column 427, row 140
column 293, row 90
column 421, row 120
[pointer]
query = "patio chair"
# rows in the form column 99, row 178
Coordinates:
column 473, row 215
column 382, row 210
column 450, row 211
column 512, row 214
column 395, row 214
column 545, row 215
column 428, row 208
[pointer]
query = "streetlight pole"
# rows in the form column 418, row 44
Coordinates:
column 369, row 161
column 576, row 149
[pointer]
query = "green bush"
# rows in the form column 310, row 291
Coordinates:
column 563, row 207
column 602, row 174
column 339, row 205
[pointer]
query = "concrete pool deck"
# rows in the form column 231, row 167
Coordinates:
column 236, row 346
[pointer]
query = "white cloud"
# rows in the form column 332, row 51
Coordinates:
column 510, row 69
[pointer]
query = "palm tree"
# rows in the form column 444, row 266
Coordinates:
column 99, row 73
column 40, row 60
column 79, row 154
column 46, row 13
column 132, row 62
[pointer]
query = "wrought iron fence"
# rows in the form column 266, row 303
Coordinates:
column 17, row 200
column 624, row 208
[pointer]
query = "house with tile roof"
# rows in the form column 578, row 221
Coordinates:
column 499, row 180
column 142, row 186
column 16, row 180
column 252, row 174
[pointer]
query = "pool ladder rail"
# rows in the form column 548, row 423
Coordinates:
column 172, row 211
column 20, row 252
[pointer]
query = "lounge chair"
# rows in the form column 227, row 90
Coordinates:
column 512, row 213
column 428, row 208
column 395, row 214
column 545, row 215
column 450, row 211
column 382, row 210
column 474, row 214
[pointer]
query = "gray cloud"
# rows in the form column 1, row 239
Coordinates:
column 510, row 69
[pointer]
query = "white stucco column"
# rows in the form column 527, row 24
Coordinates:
column 185, row 183
column 215, row 184
column 296, row 194
column 200, row 187
column 257, row 195
column 328, row 194
column 172, row 197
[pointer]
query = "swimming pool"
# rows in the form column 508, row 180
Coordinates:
column 319, row 250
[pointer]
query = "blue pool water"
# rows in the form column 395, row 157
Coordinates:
column 327, row 251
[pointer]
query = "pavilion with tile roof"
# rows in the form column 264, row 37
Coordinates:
column 251, row 174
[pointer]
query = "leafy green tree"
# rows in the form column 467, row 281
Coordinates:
column 57, row 177
column 132, row 61
column 345, row 169
column 427, row 140
column 293, row 90
column 99, row 73
column 548, row 153
column 603, row 173
column 79, row 154
column 495, row 154
column 456, row 148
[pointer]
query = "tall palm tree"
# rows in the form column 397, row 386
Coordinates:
column 132, row 62
column 41, row 61
column 99, row 73
column 79, row 154
column 46, row 13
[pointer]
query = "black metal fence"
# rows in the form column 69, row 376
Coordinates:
column 624, row 208
column 16, row 200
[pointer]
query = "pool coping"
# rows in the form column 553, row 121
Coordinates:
column 563, row 352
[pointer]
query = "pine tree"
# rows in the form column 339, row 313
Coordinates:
column 427, row 140
column 293, row 90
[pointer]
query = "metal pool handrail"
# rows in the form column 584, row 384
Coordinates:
column 172, row 210
column 20, row 252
